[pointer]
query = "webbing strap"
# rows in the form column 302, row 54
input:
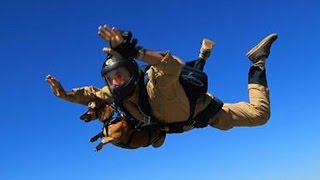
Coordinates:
column 200, row 121
column 178, row 127
column 202, row 118
column 143, row 94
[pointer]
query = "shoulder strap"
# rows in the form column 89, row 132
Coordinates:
column 143, row 94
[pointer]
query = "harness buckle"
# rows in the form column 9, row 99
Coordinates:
column 146, row 119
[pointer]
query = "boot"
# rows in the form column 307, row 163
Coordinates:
column 204, row 54
column 206, row 48
column 261, row 51
column 258, row 55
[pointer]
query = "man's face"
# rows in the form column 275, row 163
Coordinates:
column 118, row 77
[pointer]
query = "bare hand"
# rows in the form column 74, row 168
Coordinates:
column 56, row 87
column 112, row 36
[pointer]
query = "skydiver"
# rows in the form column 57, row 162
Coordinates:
column 168, row 98
column 169, row 101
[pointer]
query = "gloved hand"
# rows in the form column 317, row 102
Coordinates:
column 120, row 41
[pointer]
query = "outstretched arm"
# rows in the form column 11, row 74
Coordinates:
column 83, row 95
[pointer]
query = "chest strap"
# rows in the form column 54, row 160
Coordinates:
column 201, row 120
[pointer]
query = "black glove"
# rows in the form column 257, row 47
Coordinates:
column 128, row 47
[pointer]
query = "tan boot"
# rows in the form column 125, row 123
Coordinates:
column 261, row 51
column 206, row 48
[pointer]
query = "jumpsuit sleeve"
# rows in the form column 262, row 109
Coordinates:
column 167, row 71
column 88, row 94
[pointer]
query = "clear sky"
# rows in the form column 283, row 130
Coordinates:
column 42, row 137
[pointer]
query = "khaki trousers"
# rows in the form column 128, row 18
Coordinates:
column 254, row 113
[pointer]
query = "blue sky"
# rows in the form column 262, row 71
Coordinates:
column 43, row 138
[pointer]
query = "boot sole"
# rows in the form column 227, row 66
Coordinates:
column 271, row 37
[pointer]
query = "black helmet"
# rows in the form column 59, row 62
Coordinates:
column 113, row 63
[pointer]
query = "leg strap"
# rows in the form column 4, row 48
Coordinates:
column 202, row 118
